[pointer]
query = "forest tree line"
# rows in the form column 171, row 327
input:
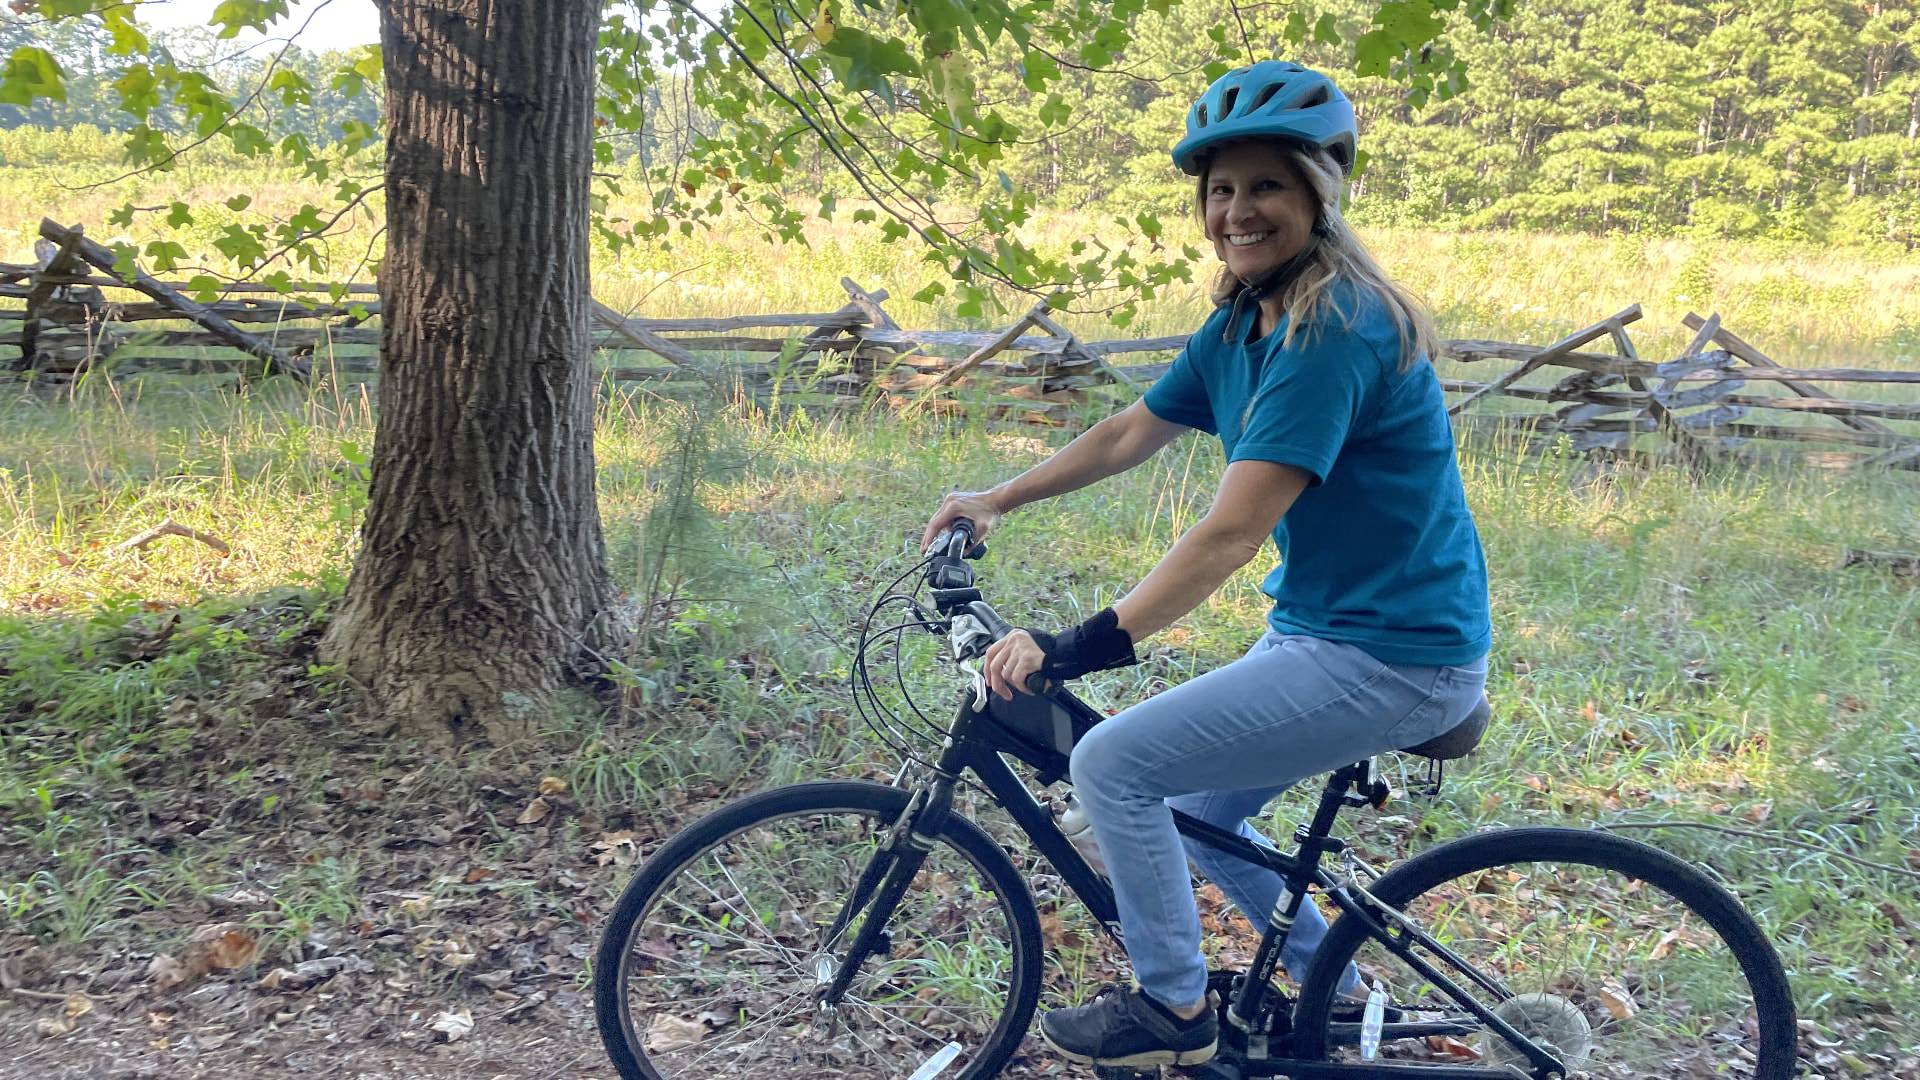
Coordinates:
column 1796, row 119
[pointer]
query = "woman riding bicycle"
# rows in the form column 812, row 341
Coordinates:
column 1314, row 373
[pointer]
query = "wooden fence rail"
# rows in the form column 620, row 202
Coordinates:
column 1721, row 394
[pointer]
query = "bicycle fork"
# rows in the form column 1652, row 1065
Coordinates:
column 881, row 885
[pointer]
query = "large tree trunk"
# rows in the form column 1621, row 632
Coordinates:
column 481, row 581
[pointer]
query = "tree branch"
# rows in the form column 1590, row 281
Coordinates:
column 258, row 90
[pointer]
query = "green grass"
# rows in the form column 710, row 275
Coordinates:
column 1666, row 648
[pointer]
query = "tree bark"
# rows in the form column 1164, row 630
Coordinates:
column 481, row 582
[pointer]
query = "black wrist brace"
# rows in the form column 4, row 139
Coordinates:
column 1094, row 645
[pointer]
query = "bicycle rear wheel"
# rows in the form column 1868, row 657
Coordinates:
column 1628, row 961
column 712, row 961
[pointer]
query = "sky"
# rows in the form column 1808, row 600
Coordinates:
column 336, row 25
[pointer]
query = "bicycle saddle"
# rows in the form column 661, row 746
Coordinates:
column 1459, row 740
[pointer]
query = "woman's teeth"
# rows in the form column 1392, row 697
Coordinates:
column 1243, row 239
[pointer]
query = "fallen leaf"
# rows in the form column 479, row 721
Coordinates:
column 1617, row 1001
column 224, row 946
column 535, row 811
column 552, row 785
column 480, row 873
column 453, row 1026
column 77, row 1006
column 166, row 972
column 669, row 1033
column 1453, row 1048
column 52, row 1027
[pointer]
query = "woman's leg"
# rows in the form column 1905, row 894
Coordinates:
column 1254, row 889
column 1298, row 708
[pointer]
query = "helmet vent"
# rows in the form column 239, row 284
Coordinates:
column 1316, row 99
column 1266, row 95
column 1227, row 100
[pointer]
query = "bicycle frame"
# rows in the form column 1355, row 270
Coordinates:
column 972, row 746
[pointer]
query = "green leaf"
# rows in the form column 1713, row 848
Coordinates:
column 234, row 16
column 367, row 64
column 862, row 61
column 165, row 255
column 292, row 87
column 122, row 217
column 357, row 135
column 139, row 91
column 1037, row 70
column 1296, row 31
column 1373, row 54
column 891, row 230
column 248, row 141
column 1326, row 31
column 203, row 288
column 145, row 145
column 31, row 74
column 932, row 292
column 242, row 245
column 239, row 203
column 179, row 215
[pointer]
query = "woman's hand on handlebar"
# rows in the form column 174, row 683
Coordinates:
column 1009, row 661
column 976, row 506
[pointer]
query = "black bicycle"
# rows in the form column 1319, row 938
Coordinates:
column 853, row 929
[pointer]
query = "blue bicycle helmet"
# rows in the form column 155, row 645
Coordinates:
column 1272, row 99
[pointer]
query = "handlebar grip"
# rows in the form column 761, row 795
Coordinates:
column 1036, row 683
column 954, row 540
column 990, row 619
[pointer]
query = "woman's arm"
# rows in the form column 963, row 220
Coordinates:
column 1113, row 445
column 1253, row 497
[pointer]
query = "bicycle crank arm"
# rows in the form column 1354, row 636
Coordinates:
column 1371, row 1070
column 1349, row 1034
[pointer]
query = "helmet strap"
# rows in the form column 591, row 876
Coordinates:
column 1280, row 277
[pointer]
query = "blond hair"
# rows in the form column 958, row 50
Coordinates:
column 1340, row 255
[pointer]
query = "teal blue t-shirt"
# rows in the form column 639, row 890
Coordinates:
column 1380, row 550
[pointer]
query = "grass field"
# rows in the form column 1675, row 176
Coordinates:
column 1668, row 648
column 1806, row 305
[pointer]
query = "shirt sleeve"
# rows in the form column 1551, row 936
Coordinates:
column 1180, row 396
column 1308, row 403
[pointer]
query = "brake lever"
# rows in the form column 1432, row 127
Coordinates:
column 978, row 686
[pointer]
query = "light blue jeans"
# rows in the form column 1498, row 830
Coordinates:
column 1218, row 748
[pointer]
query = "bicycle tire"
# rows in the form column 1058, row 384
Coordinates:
column 866, row 803
column 1443, row 880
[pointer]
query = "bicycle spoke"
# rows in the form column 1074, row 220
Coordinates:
column 1596, row 979
column 947, row 978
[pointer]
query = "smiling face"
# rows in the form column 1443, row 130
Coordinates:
column 1259, row 210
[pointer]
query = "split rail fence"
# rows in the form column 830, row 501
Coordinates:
column 79, row 314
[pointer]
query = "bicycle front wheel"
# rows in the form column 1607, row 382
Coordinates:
column 714, row 959
column 1623, row 961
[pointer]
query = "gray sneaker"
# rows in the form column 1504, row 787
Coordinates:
column 1128, row 1028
